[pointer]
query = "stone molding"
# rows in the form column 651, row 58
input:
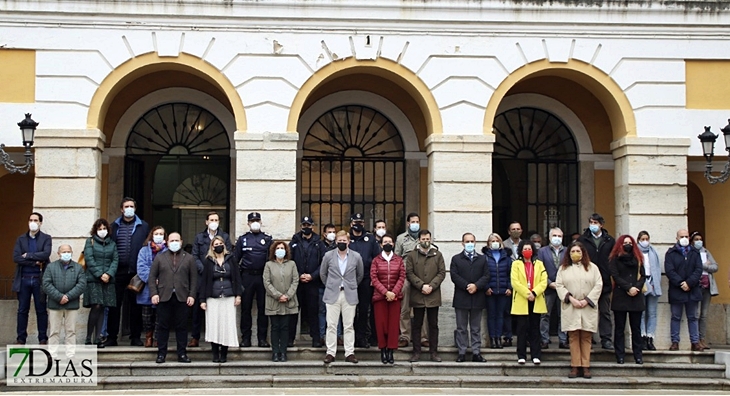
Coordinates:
column 459, row 143
column 650, row 146
column 70, row 138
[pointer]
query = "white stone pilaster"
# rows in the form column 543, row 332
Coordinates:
column 266, row 181
column 68, row 183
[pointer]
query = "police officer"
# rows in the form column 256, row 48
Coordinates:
column 364, row 243
column 307, row 254
column 251, row 254
column 201, row 245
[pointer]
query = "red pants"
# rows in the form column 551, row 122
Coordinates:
column 387, row 323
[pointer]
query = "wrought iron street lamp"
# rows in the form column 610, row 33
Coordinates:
column 708, row 140
column 27, row 128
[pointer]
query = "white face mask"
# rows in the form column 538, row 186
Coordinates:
column 495, row 245
column 102, row 233
column 158, row 239
column 556, row 241
column 175, row 246
column 280, row 253
column 33, row 226
column 414, row 227
column 255, row 226
column 684, row 242
column 66, row 257
column 644, row 244
column 331, row 236
column 213, row 225
column 128, row 212
column 380, row 232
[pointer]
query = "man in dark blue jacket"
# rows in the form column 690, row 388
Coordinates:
column 129, row 232
column 364, row 243
column 201, row 245
column 683, row 266
column 307, row 252
column 551, row 256
column 30, row 255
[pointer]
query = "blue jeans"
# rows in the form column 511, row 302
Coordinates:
column 496, row 308
column 31, row 286
column 648, row 318
column 702, row 312
column 690, row 308
column 104, row 331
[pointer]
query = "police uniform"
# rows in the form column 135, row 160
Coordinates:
column 251, row 253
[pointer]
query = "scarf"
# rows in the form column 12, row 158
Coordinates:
column 156, row 249
column 653, row 265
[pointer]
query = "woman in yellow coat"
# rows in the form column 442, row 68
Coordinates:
column 529, row 281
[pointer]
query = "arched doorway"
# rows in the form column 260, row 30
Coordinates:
column 535, row 172
column 177, row 161
column 353, row 160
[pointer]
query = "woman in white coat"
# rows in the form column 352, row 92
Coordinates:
column 579, row 284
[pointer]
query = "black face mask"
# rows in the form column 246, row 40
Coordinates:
column 388, row 247
column 357, row 227
column 218, row 249
column 307, row 231
column 342, row 246
column 628, row 248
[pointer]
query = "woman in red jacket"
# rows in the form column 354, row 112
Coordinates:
column 388, row 273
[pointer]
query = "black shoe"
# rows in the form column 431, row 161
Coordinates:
column 264, row 344
column 160, row 359
column 316, row 343
column 383, row 355
column 224, row 354
column 620, row 360
column 607, row 344
column 362, row 344
column 639, row 361
column 87, row 342
column 478, row 358
column 100, row 345
column 389, row 352
column 110, row 342
column 492, row 343
column 136, row 342
column 563, row 345
column 290, row 344
column 274, row 357
column 544, row 345
column 183, row 359
column 650, row 344
column 282, row 357
column 461, row 358
column 499, row 343
column 245, row 343
column 644, row 343
column 507, row 342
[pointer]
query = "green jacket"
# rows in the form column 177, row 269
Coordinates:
column 101, row 258
column 58, row 282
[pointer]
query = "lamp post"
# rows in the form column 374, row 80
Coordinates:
column 27, row 128
column 708, row 140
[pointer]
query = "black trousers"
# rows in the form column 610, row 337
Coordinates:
column 619, row 338
column 124, row 296
column 433, row 328
column 308, row 296
column 604, row 316
column 172, row 314
column 253, row 288
column 362, row 318
column 528, row 328
column 279, row 332
column 198, row 319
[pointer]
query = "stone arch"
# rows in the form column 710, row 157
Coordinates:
column 600, row 84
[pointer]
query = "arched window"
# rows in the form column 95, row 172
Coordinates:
column 353, row 161
column 535, row 172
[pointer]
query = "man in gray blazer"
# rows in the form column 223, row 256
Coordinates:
column 341, row 272
column 173, row 282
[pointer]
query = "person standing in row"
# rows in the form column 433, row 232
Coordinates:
column 365, row 244
column 201, row 247
column 218, row 297
column 63, row 282
column 512, row 243
column 707, row 285
column 102, row 263
column 579, row 285
column 173, row 283
column 426, row 270
column 499, row 288
column 154, row 245
column 388, row 274
column 653, row 271
column 329, row 234
column 627, row 272
column 307, row 252
column 404, row 244
column 529, row 280
column 30, row 254
column 379, row 230
column 551, row 256
column 251, row 253
column 129, row 232
column 470, row 275
column 281, row 279
column 683, row 266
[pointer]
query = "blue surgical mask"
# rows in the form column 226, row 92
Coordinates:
column 414, row 227
column 175, row 246
column 158, row 239
column 128, row 212
column 469, row 247
column 280, row 253
column 65, row 256
column 698, row 244
column 594, row 228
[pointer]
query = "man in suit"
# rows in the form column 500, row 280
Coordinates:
column 341, row 272
column 173, row 282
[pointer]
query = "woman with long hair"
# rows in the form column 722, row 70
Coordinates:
column 154, row 244
column 102, row 259
column 653, row 271
column 388, row 274
column 627, row 274
column 499, row 290
column 281, row 280
column 707, row 285
column 219, row 295
column 579, row 285
column 529, row 280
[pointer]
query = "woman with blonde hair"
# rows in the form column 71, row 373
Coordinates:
column 219, row 295
column 281, row 279
column 499, row 289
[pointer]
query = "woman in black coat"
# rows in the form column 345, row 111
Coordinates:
column 628, row 277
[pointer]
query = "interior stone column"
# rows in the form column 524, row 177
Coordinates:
column 651, row 194
column 266, row 176
column 68, row 184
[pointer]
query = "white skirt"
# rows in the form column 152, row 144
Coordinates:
column 220, row 321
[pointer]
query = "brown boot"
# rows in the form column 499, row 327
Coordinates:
column 704, row 345
column 193, row 343
column 587, row 373
column 696, row 347
column 573, row 372
column 148, row 339
column 674, row 347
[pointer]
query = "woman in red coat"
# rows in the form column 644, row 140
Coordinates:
column 388, row 273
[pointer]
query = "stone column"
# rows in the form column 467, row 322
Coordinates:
column 266, row 176
column 459, row 201
column 651, row 194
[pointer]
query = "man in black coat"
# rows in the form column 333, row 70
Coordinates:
column 683, row 266
column 364, row 243
column 470, row 274
column 598, row 244
column 307, row 253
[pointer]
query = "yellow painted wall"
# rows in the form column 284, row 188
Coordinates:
column 605, row 200
column 717, row 219
column 705, row 82
column 17, row 76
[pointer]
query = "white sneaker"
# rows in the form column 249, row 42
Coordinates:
column 520, row 361
column 535, row 361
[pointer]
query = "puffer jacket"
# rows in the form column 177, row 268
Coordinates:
column 58, row 282
column 499, row 271
column 388, row 276
column 101, row 257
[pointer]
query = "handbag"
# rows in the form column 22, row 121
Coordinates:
column 82, row 258
column 136, row 284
